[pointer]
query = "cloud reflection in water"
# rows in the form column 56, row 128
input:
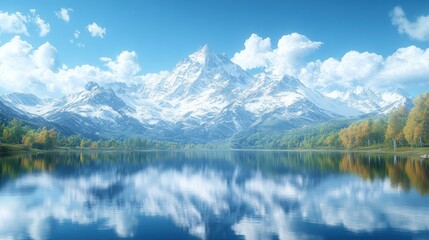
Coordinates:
column 253, row 204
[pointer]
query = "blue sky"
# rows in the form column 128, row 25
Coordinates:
column 163, row 32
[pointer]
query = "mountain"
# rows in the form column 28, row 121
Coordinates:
column 95, row 112
column 205, row 98
column 282, row 104
column 28, row 103
column 193, row 94
column 8, row 112
column 373, row 101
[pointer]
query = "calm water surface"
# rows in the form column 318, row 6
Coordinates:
column 213, row 195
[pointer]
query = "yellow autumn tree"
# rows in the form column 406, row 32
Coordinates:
column 416, row 130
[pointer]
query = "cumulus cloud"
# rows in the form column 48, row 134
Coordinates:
column 286, row 59
column 409, row 65
column 63, row 14
column 406, row 65
column 418, row 30
column 125, row 66
column 13, row 23
column 352, row 68
column 25, row 69
column 254, row 54
column 45, row 57
column 95, row 30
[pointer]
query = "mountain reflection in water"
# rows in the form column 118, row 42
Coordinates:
column 214, row 195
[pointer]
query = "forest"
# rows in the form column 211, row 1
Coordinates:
column 402, row 127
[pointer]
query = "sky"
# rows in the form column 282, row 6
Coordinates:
column 52, row 48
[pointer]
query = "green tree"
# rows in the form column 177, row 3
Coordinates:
column 377, row 132
column 13, row 132
column 395, row 125
column 51, row 141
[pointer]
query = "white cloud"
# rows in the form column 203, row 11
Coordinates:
column 254, row 53
column 70, row 80
column 13, row 23
column 44, row 27
column 125, row 67
column 418, row 30
column 96, row 31
column 409, row 65
column 286, row 59
column 63, row 14
column 263, row 206
column 76, row 34
column 15, row 64
column 353, row 67
column 45, row 57
column 24, row 69
column 406, row 66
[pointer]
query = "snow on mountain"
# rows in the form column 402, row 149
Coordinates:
column 94, row 102
column 285, row 103
column 206, row 97
column 196, row 90
column 94, row 111
column 29, row 103
column 270, row 92
column 8, row 112
column 369, row 100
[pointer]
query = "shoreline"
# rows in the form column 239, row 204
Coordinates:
column 13, row 149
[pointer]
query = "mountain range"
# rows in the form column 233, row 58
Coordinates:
column 205, row 98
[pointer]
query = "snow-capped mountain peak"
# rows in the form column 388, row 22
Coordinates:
column 23, row 99
column 203, row 55
column 28, row 103
column 369, row 100
column 205, row 97
column 91, row 85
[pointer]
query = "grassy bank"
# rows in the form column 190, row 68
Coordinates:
column 406, row 151
column 17, row 148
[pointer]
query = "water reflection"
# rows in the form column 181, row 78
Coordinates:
column 256, row 195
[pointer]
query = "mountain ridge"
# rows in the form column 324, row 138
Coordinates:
column 205, row 98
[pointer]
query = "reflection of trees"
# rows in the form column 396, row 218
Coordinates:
column 402, row 173
column 279, row 162
column 398, row 176
column 418, row 174
column 15, row 166
column 368, row 167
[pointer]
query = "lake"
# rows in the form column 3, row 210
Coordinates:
column 213, row 195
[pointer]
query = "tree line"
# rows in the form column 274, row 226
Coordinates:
column 402, row 128
column 15, row 132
